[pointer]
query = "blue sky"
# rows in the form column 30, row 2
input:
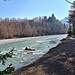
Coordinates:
column 34, row 8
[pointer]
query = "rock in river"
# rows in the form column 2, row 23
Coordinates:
column 30, row 49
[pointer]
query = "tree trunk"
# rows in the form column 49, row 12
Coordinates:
column 74, row 29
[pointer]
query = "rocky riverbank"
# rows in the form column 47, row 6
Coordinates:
column 59, row 60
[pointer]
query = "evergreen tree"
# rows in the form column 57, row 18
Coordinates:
column 3, row 58
column 72, row 16
column 70, row 31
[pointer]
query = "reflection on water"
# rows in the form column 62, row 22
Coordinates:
column 22, row 57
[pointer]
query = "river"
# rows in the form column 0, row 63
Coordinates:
column 21, row 57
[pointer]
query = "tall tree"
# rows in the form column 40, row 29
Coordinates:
column 72, row 16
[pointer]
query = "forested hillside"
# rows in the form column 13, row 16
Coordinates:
column 10, row 28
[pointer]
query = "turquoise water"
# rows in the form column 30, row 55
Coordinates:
column 21, row 57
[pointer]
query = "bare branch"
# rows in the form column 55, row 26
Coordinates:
column 69, row 2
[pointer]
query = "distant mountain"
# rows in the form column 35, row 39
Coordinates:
column 65, row 20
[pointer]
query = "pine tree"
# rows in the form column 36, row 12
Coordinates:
column 70, row 31
column 72, row 16
column 3, row 58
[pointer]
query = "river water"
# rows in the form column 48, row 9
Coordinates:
column 21, row 57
